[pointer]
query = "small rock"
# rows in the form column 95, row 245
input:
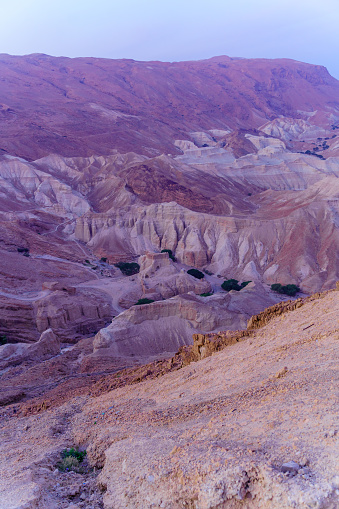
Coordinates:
column 335, row 480
column 290, row 468
column 74, row 490
column 83, row 496
column 304, row 470
column 281, row 373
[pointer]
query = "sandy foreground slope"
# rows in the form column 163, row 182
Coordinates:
column 213, row 434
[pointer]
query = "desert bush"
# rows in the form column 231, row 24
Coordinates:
column 206, row 294
column 208, row 272
column 3, row 340
column 71, row 459
column 195, row 273
column 128, row 269
column 143, row 301
column 290, row 290
column 233, row 284
column 24, row 251
column 170, row 254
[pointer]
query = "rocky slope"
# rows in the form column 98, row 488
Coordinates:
column 253, row 426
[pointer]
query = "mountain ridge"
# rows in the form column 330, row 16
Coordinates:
column 81, row 106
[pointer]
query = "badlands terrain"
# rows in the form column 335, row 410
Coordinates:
column 227, row 166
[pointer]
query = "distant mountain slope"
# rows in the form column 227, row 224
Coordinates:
column 85, row 106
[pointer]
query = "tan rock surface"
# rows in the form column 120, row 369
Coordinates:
column 215, row 433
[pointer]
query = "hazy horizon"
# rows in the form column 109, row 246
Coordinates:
column 299, row 30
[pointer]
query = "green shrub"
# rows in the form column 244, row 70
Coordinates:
column 24, row 251
column 71, row 459
column 290, row 290
column 206, row 294
column 195, row 273
column 208, row 272
column 128, row 269
column 233, row 284
column 3, row 340
column 143, row 301
column 170, row 254
column 276, row 287
column 103, row 259
column 69, row 463
column 74, row 453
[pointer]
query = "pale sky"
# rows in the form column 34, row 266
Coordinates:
column 306, row 30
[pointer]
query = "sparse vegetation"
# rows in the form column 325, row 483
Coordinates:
column 290, row 290
column 90, row 265
column 103, row 259
column 128, row 269
column 206, row 294
column 143, row 301
column 309, row 153
column 233, row 284
column 3, row 340
column 196, row 273
column 71, row 459
column 170, row 254
column 24, row 251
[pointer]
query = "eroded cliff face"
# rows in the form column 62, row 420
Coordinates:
column 71, row 314
column 268, row 216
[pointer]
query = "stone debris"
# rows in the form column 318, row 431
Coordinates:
column 290, row 467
